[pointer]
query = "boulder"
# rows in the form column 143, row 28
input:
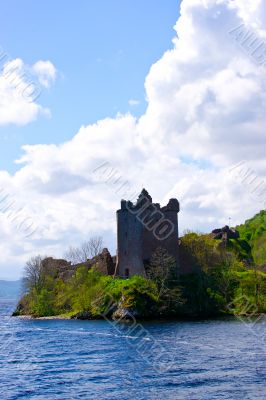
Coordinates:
column 83, row 315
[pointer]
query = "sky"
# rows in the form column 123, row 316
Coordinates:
column 100, row 99
column 102, row 51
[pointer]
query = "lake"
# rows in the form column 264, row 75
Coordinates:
column 61, row 359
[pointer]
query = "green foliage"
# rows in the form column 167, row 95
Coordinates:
column 259, row 249
column 89, row 291
column 253, row 227
column 250, row 295
column 41, row 304
column 222, row 280
column 136, row 294
column 202, row 250
column 253, row 233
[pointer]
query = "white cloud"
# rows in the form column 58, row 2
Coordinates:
column 133, row 102
column 206, row 112
column 19, row 92
column 46, row 72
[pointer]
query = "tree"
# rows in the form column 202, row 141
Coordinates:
column 162, row 268
column 163, row 271
column 202, row 251
column 33, row 274
column 87, row 250
column 74, row 255
column 93, row 246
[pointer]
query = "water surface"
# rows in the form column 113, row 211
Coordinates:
column 211, row 359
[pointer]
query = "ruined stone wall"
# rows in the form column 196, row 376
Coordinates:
column 58, row 268
column 104, row 263
column 63, row 269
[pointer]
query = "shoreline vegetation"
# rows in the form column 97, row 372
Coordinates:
column 229, row 278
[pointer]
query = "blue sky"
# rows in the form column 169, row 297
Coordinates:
column 102, row 51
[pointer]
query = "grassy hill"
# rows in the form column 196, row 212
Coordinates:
column 253, row 238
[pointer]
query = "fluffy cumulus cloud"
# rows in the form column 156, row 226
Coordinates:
column 20, row 88
column 201, row 140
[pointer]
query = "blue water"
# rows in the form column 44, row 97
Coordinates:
column 218, row 359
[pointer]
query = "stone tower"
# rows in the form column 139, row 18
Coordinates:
column 141, row 229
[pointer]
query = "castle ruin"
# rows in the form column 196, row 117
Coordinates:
column 141, row 229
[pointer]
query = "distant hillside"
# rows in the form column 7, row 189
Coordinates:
column 253, row 237
column 10, row 289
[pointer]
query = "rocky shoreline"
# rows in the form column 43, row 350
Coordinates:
column 127, row 315
column 31, row 317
